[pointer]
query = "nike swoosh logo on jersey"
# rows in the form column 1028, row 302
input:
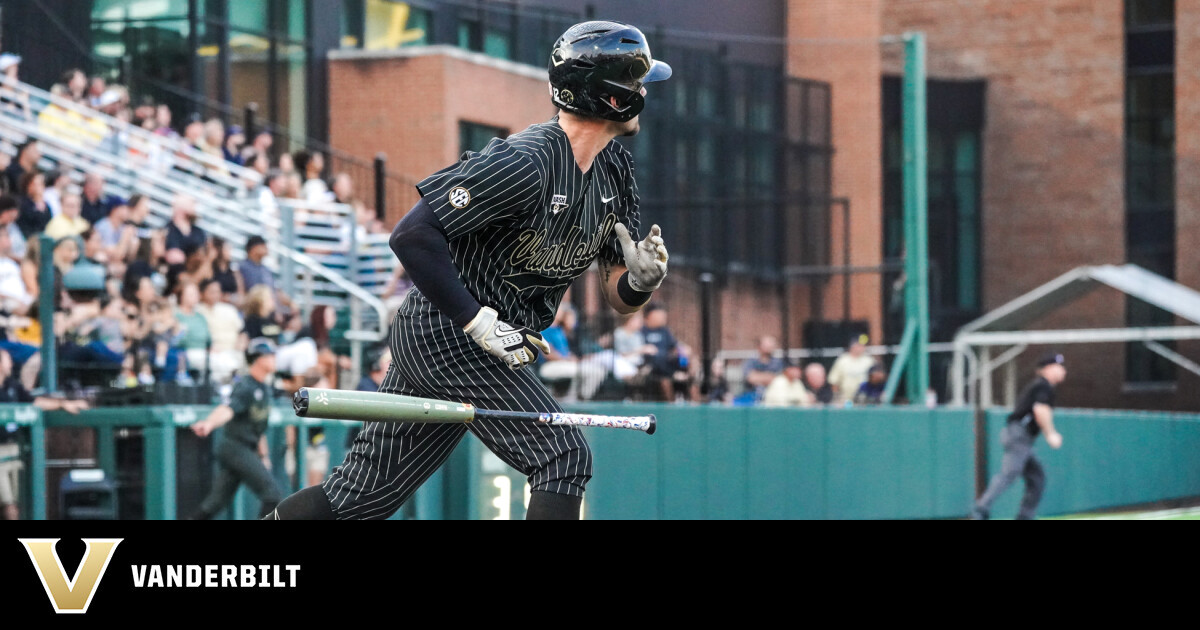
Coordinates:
column 609, row 200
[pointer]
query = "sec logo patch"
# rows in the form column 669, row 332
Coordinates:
column 460, row 197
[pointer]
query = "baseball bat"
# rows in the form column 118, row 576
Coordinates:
column 337, row 404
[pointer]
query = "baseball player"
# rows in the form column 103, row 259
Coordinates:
column 242, row 451
column 491, row 248
column 1034, row 414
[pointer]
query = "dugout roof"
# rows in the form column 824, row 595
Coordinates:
column 1131, row 280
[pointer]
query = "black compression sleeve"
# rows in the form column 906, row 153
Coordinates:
column 421, row 245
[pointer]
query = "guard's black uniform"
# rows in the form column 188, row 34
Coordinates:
column 523, row 223
column 237, row 452
column 1019, row 460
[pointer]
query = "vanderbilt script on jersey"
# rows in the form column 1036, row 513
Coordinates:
column 538, row 261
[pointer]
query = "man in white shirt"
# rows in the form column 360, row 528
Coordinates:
column 787, row 389
column 850, row 370
column 14, row 296
column 9, row 211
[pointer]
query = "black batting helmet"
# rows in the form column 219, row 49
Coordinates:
column 258, row 347
column 595, row 62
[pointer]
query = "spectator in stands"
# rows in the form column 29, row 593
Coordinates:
column 717, row 388
column 75, row 84
column 57, row 184
column 69, row 223
column 814, row 380
column 162, row 118
column 96, row 204
column 10, row 209
column 255, row 273
column 224, row 327
column 184, row 237
column 14, row 103
column 14, row 295
column 34, row 213
column 343, row 188
column 214, row 137
column 196, row 336
column 287, row 164
column 310, row 166
column 29, row 268
column 231, row 147
column 367, row 220
column 561, row 364
column 850, row 369
column 787, row 389
column 95, row 93
column 193, row 132
column 139, row 222
column 93, row 339
column 12, row 391
column 93, row 249
column 871, row 392
column 629, row 348
column 28, row 156
column 118, row 239
column 378, row 362
column 5, row 161
column 763, row 369
column 260, row 162
column 263, row 141
column 664, row 361
column 273, row 187
column 225, row 271
column 259, row 318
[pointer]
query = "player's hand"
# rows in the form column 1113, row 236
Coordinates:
column 202, row 428
column 646, row 261
column 515, row 345
column 1054, row 440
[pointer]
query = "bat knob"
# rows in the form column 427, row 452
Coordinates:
column 653, row 425
column 300, row 402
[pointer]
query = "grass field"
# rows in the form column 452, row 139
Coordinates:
column 1181, row 514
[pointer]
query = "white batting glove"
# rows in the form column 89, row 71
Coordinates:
column 515, row 345
column 646, row 261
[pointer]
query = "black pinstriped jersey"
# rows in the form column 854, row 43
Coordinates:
column 523, row 222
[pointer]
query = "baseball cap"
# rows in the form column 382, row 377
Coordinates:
column 258, row 347
column 8, row 60
column 861, row 340
column 84, row 277
column 1051, row 359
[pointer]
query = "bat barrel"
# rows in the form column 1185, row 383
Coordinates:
column 336, row 404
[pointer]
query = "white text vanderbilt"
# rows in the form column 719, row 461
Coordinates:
column 215, row 576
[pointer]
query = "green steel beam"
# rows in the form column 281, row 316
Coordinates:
column 46, row 314
column 902, row 356
column 916, row 214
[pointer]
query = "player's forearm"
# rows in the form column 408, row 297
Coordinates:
column 422, row 247
column 219, row 417
column 1044, row 416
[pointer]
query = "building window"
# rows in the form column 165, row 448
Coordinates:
column 1149, row 169
column 385, row 24
column 956, row 118
column 474, row 136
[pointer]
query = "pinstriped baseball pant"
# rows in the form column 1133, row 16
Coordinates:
column 432, row 358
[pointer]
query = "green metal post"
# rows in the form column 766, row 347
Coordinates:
column 46, row 314
column 37, row 468
column 159, row 454
column 916, row 214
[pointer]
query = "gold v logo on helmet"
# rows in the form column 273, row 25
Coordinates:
column 73, row 595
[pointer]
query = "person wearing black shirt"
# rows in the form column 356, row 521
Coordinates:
column 815, row 381
column 242, row 450
column 1033, row 414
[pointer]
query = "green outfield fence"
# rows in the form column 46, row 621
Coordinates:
column 705, row 462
